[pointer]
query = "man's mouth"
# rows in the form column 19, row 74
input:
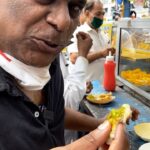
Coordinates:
column 51, row 44
column 46, row 45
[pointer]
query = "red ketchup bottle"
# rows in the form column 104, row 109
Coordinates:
column 109, row 81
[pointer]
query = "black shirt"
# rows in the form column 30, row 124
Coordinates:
column 22, row 125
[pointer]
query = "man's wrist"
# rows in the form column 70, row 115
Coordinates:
column 101, row 55
column 82, row 55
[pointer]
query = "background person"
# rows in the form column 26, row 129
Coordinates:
column 75, row 86
column 116, row 16
column 132, row 14
column 94, row 15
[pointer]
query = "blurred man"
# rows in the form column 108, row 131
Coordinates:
column 117, row 16
column 75, row 86
column 132, row 14
column 94, row 15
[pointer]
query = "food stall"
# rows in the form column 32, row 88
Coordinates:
column 133, row 57
column 132, row 77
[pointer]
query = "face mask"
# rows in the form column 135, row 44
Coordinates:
column 28, row 77
column 97, row 22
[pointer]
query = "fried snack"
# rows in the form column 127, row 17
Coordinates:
column 116, row 116
column 102, row 98
column 137, row 77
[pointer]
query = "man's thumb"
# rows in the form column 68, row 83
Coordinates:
column 100, row 135
column 94, row 139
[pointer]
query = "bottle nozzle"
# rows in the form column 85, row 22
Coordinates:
column 109, row 53
column 109, row 57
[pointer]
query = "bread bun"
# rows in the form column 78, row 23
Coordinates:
column 116, row 116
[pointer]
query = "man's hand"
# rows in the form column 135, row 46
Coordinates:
column 121, row 141
column 89, row 86
column 98, row 138
column 106, row 51
column 84, row 43
column 91, row 141
column 134, row 116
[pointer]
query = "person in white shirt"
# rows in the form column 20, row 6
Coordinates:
column 93, row 13
column 75, row 83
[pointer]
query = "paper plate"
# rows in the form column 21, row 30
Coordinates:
column 102, row 98
column 145, row 146
column 143, row 131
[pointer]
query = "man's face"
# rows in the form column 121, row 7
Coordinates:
column 35, row 31
column 97, row 12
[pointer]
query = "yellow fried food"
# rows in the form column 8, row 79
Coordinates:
column 116, row 116
column 137, row 77
column 143, row 46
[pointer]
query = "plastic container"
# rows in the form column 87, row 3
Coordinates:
column 109, row 81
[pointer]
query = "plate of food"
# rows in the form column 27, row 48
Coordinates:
column 143, row 131
column 102, row 98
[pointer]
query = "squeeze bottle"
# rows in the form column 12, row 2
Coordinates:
column 109, row 81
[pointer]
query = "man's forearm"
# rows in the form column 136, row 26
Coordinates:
column 78, row 121
column 94, row 55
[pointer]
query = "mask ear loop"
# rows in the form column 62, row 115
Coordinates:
column 1, row 53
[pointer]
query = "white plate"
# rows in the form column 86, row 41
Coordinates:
column 143, row 131
column 145, row 146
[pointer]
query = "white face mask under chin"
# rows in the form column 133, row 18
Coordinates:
column 28, row 77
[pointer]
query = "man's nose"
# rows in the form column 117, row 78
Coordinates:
column 59, row 19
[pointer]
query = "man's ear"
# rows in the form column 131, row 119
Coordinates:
column 86, row 13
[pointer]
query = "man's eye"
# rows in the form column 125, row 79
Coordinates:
column 100, row 13
column 45, row 2
column 75, row 11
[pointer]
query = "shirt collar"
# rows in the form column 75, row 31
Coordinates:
column 8, row 84
column 87, row 27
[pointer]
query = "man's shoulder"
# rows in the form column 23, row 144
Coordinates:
column 84, row 28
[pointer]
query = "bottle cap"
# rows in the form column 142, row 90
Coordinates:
column 109, row 57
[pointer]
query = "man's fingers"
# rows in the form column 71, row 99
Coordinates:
column 83, row 35
column 99, row 136
column 120, row 131
column 121, row 141
column 94, row 139
column 135, row 113
column 112, row 50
